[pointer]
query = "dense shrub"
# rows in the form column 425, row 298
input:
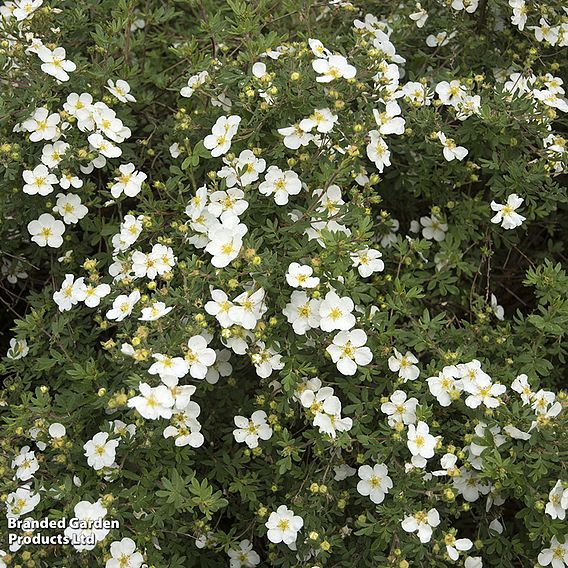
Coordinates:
column 285, row 282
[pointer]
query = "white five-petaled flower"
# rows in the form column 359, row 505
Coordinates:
column 39, row 181
column 251, row 430
column 336, row 312
column 25, row 464
column 123, row 305
column 70, row 208
column 557, row 501
column 404, row 365
column 47, row 231
column 243, row 556
column 124, row 555
column 348, row 351
column 199, row 356
column 280, row 183
column 367, row 261
column 422, row 523
column 420, row 443
column 219, row 141
column 169, row 369
column 128, row 182
column 333, row 67
column 302, row 312
column 300, row 276
column 54, row 62
column 507, row 214
column 451, row 150
column 283, row 526
column 121, row 90
column 153, row 402
column 433, row 228
column 557, row 554
column 378, row 151
column 42, row 125
column 71, row 292
column 400, row 409
column 375, row 482
column 100, row 451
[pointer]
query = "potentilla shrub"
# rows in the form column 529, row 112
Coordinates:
column 288, row 283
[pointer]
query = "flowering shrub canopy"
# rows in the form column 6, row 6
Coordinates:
column 283, row 282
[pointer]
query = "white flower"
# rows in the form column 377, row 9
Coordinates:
column 451, row 93
column 404, row 365
column 54, row 62
column 375, row 482
column 68, row 180
column 367, row 261
column 294, row 136
column 420, row 16
column 57, row 430
column 87, row 532
column 25, row 463
column 123, row 305
column 221, row 368
column 330, row 200
column 155, row 311
column 557, row 554
column 326, row 408
column 323, row 120
column 70, row 208
column 422, row 523
column 243, row 170
column 52, row 154
column 506, row 214
column 199, row 356
column 247, row 308
column 557, row 501
column 446, row 386
column 18, row 349
column 433, row 228
column 333, row 67
column 300, row 276
column 187, row 429
column 266, row 360
column 420, row 443
column 226, row 241
column 244, row 556
column 347, row 351
column 378, row 151
column 283, row 526
column 42, row 125
column 71, row 292
column 439, row 40
column 483, row 391
column 170, row 369
column 94, row 294
column 121, row 90
column 280, row 183
column 22, row 501
column 318, row 48
column 219, row 306
column 103, row 146
column 456, row 545
column 193, row 83
column 497, row 309
column 124, row 555
column 24, row 9
column 100, row 451
column 343, row 471
column 128, row 182
column 335, row 312
column 389, row 121
column 249, row 431
column 451, row 150
column 46, row 231
column 522, row 386
column 153, row 403
column 468, row 485
column 219, row 141
column 302, row 312
column 400, row 409
column 38, row 181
